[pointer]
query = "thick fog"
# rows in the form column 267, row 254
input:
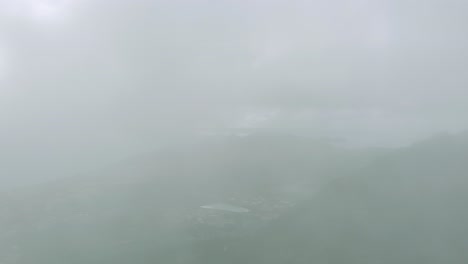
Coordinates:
column 233, row 131
column 88, row 82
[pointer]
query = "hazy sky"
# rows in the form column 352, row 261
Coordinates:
column 87, row 82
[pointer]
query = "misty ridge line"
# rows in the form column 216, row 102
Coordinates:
column 287, row 189
column 233, row 132
column 102, row 83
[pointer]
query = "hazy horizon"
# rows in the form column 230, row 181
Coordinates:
column 88, row 82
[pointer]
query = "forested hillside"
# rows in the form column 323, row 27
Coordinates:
column 146, row 207
column 406, row 207
column 343, row 206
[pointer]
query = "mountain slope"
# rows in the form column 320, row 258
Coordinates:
column 407, row 207
column 144, row 209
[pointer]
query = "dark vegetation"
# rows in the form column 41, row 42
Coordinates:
column 346, row 206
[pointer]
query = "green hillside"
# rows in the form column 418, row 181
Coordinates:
column 145, row 209
column 407, row 207
column 308, row 202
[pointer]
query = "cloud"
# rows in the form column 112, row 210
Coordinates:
column 121, row 77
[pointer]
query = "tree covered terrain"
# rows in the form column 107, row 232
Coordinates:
column 308, row 201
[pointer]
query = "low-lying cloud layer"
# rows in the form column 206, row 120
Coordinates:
column 89, row 82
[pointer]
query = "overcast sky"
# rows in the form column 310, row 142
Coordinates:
column 87, row 82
